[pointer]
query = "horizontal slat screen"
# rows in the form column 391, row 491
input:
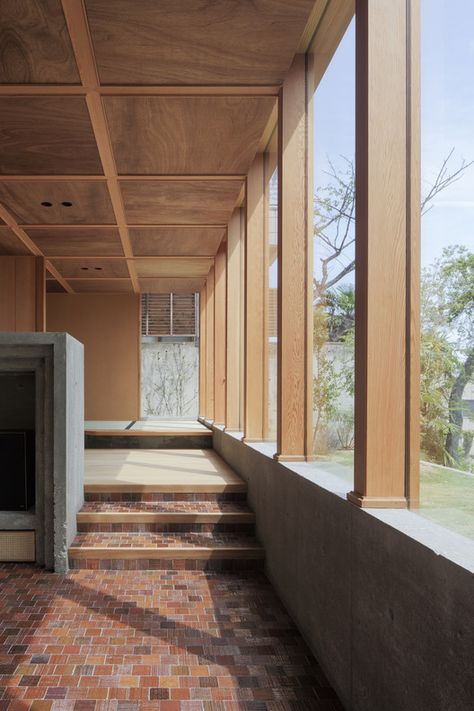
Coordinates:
column 169, row 314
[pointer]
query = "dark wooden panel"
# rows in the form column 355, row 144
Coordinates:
column 186, row 135
column 10, row 244
column 91, row 268
column 175, row 241
column 168, row 286
column 90, row 202
column 54, row 287
column 78, row 241
column 196, row 41
column 35, row 44
column 47, row 135
column 103, row 286
column 180, row 202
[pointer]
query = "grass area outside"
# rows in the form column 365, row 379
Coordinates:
column 446, row 495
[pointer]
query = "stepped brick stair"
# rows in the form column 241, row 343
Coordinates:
column 152, row 434
column 193, row 524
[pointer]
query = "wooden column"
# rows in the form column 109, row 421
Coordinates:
column 254, row 303
column 234, row 269
column 293, row 438
column 202, row 353
column 220, row 334
column 383, row 238
column 210, row 345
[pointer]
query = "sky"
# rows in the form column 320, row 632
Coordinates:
column 447, row 118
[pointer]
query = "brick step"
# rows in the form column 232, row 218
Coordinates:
column 139, row 551
column 234, row 493
column 202, row 517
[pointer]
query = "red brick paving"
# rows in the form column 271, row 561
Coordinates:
column 148, row 640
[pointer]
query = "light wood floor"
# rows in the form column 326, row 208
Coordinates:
column 149, row 426
column 158, row 470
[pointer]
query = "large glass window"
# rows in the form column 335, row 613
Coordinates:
column 447, row 260
column 334, row 262
column 271, row 289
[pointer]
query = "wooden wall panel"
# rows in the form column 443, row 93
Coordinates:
column 234, row 271
column 254, row 301
column 109, row 327
column 22, row 293
column 220, row 335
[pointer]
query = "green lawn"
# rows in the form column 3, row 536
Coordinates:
column 447, row 495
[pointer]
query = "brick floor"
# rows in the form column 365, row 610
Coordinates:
column 147, row 640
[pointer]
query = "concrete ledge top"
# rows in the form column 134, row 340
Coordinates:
column 441, row 541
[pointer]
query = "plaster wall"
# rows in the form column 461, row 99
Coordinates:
column 385, row 599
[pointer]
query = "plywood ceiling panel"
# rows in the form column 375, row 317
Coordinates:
column 54, row 287
column 47, row 135
column 180, row 202
column 78, row 241
column 196, row 41
column 91, row 268
column 10, row 244
column 101, row 286
column 167, row 286
column 90, row 202
column 188, row 135
column 175, row 241
column 180, row 267
column 36, row 48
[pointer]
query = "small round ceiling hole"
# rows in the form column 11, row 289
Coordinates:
column 66, row 203
column 45, row 203
column 98, row 269
column 85, row 269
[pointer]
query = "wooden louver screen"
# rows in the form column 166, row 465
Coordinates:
column 168, row 314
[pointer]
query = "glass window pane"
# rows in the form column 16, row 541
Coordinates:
column 447, row 255
column 271, row 295
column 334, row 262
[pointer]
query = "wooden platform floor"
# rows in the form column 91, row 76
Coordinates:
column 148, row 426
column 159, row 470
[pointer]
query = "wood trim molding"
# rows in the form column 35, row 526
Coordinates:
column 76, row 20
column 386, row 232
column 294, row 370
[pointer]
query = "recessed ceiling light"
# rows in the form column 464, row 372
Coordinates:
column 66, row 203
column 47, row 204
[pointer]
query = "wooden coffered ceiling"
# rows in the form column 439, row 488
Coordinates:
column 127, row 129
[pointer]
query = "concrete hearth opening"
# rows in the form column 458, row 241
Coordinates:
column 41, row 446
column 17, row 441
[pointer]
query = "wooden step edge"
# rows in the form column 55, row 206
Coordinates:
column 146, row 433
column 166, row 488
column 161, row 517
column 177, row 553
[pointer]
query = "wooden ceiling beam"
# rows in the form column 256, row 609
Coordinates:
column 19, row 232
column 161, row 90
column 98, row 178
column 102, row 226
column 76, row 20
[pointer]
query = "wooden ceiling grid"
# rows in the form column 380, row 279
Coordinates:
column 127, row 130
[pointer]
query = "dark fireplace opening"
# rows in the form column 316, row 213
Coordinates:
column 17, row 441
